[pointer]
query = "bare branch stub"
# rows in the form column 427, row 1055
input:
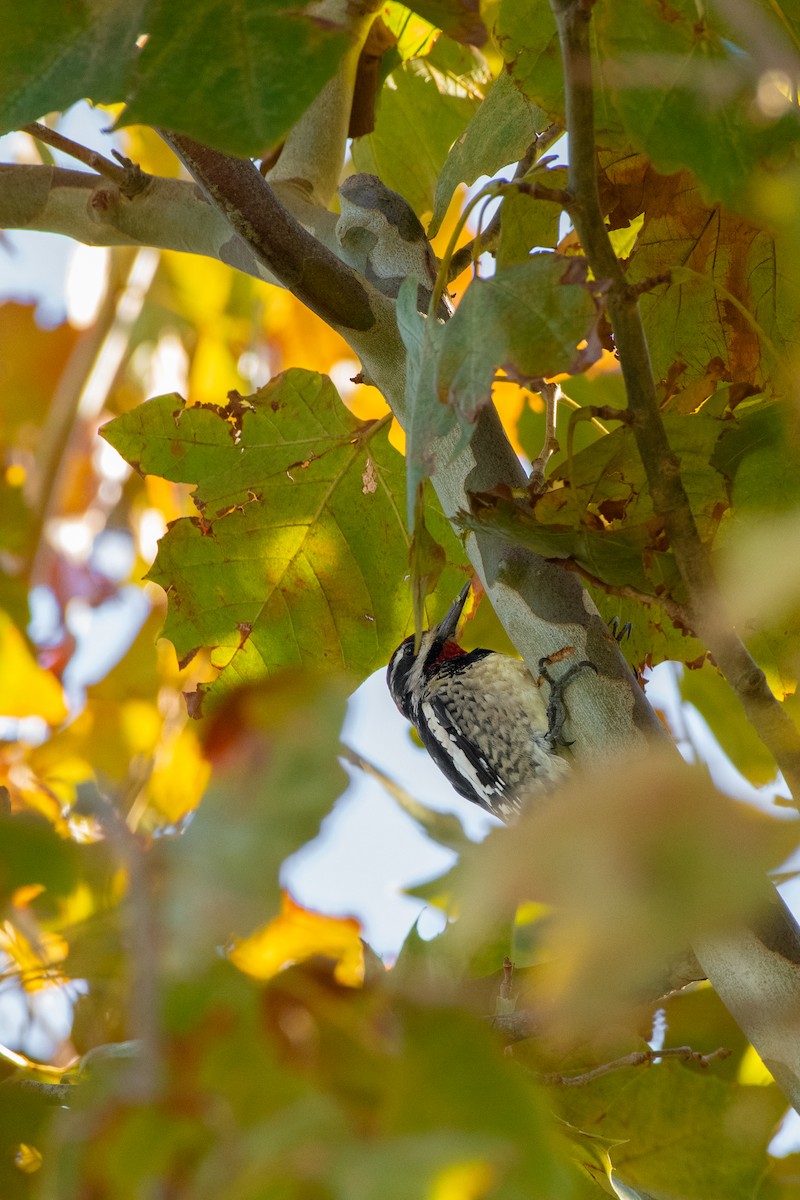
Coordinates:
column 128, row 176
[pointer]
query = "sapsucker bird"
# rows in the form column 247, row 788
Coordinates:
column 482, row 716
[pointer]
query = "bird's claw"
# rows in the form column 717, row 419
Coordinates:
column 556, row 709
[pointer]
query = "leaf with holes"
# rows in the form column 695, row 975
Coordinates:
column 298, row 551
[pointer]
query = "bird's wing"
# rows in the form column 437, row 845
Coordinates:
column 463, row 764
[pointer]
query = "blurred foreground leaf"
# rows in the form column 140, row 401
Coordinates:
column 275, row 750
column 637, row 860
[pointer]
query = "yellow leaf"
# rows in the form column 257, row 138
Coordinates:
column 298, row 934
column 202, row 287
column 179, row 777
column 34, row 962
column 27, row 1158
column 463, row 1181
column 752, row 1070
column 141, row 725
column 213, row 372
column 26, row 689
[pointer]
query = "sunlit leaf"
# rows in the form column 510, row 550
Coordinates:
column 26, row 690
column 180, row 775
column 292, row 558
column 297, row 934
column 35, row 964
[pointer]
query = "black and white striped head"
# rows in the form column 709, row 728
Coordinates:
column 409, row 667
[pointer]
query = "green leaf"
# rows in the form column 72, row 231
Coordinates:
column 25, row 1116
column 664, row 1120
column 422, row 112
column 527, row 319
column 672, row 72
column 528, row 40
column 716, row 701
column 529, row 223
column 432, row 429
column 64, row 52
column 33, row 853
column 501, row 131
column 689, row 860
column 614, row 556
column 298, row 552
column 758, row 455
column 221, row 77
column 449, row 1057
column 236, row 77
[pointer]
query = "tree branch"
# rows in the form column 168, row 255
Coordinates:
column 637, row 1058
column 486, row 239
column 662, row 466
column 756, row 973
column 676, row 614
column 326, row 285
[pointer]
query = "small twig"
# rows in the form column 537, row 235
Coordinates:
column 649, row 284
column 485, row 239
column 676, row 612
column 507, row 981
column 129, row 177
column 59, row 1094
column 638, row 1058
column 570, row 403
column 551, row 393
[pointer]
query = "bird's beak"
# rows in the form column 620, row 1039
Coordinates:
column 446, row 629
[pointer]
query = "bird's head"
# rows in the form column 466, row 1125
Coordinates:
column 410, row 665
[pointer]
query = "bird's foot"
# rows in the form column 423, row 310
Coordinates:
column 556, row 709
